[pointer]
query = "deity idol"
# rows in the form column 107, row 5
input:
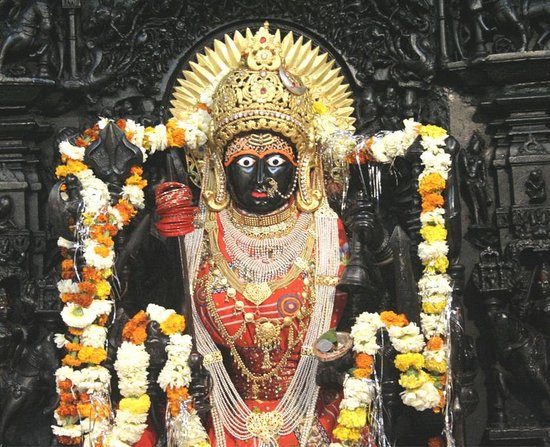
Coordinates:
column 266, row 257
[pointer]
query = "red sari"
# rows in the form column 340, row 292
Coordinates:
column 283, row 302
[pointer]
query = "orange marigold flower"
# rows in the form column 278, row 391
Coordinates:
column 87, row 287
column 434, row 343
column 174, row 323
column 433, row 182
column 83, row 299
column 68, row 297
column 102, row 320
column 65, row 385
column 61, row 171
column 136, row 170
column 436, row 441
column 363, row 360
column 362, row 373
column 104, row 240
column 75, row 331
column 67, row 264
column 126, row 211
column 91, row 134
column 135, row 330
column 121, row 123
column 87, row 354
column 67, row 410
column 81, row 142
column 176, row 138
column 85, row 410
column 67, row 440
column 203, row 106
column 73, row 347
column 111, row 229
column 432, row 201
column 175, row 396
column 69, row 360
column 90, row 274
column 390, row 318
column 67, row 398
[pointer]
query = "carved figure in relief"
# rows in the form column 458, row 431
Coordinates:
column 475, row 179
column 28, row 32
column 535, row 187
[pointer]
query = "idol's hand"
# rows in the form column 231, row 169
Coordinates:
column 200, row 386
column 331, row 374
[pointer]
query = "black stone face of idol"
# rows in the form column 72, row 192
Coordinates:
column 249, row 182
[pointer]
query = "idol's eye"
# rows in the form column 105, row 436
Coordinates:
column 246, row 161
column 276, row 160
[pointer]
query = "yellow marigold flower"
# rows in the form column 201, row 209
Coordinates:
column 84, row 409
column 433, row 233
column 171, row 123
column 435, row 366
column 107, row 273
column 174, row 323
column 410, row 360
column 136, row 405
column 433, row 308
column 72, row 167
column 346, row 434
column 88, row 354
column 432, row 131
column 103, row 289
column 413, row 379
column 320, row 108
column 136, row 180
column 61, row 171
column 353, row 418
column 88, row 219
column 102, row 250
column 439, row 265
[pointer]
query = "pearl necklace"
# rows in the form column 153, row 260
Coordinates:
column 263, row 260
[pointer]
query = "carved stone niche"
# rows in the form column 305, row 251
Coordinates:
column 520, row 123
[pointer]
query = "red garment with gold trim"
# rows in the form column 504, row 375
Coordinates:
column 284, row 302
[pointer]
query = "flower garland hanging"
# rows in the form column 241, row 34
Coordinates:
column 359, row 387
column 85, row 289
column 434, row 286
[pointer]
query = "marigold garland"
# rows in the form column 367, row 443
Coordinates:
column 423, row 366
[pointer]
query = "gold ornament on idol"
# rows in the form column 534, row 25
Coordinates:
column 264, row 82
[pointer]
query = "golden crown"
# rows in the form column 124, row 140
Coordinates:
column 263, row 82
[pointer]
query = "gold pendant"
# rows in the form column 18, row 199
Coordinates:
column 267, row 338
column 265, row 426
column 257, row 293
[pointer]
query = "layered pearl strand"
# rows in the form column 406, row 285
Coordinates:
column 264, row 260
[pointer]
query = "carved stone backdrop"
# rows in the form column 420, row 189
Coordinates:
column 480, row 68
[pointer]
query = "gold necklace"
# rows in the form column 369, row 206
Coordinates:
column 265, row 220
